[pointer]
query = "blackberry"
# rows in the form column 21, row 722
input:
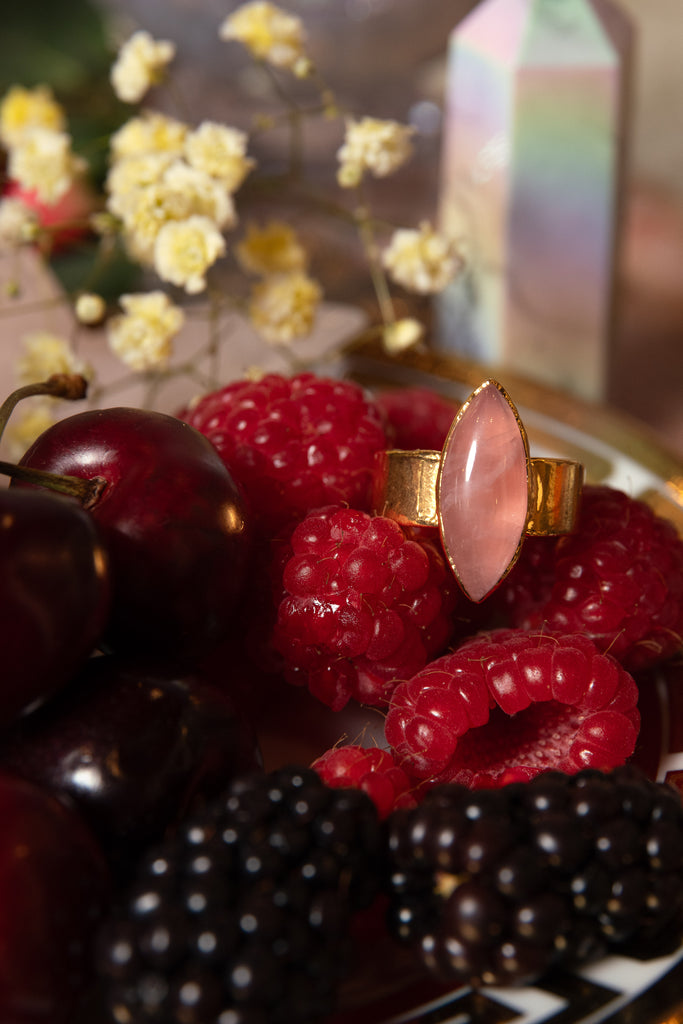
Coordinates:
column 498, row 886
column 241, row 917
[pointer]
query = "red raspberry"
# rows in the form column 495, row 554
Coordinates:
column 509, row 704
column 364, row 606
column 618, row 578
column 370, row 769
column 294, row 443
column 417, row 417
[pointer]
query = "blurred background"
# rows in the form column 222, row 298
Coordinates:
column 387, row 58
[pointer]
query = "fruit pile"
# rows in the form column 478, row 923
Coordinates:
column 207, row 573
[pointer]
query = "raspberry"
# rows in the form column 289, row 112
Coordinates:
column 370, row 769
column 618, row 578
column 498, row 886
column 243, row 916
column 294, row 444
column 509, row 704
column 417, row 417
column 364, row 606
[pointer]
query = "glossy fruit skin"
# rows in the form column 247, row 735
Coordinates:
column 247, row 908
column 172, row 518
column 132, row 746
column 54, row 888
column 54, row 598
column 498, row 886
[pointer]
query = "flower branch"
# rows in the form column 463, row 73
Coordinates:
column 176, row 191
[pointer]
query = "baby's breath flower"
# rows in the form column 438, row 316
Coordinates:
column 181, row 193
column 90, row 308
column 220, row 152
column 18, row 222
column 273, row 249
column 28, row 422
column 144, row 211
column 43, row 161
column 151, row 132
column 268, row 32
column 22, row 110
column 370, row 144
column 283, row 306
column 401, row 335
column 135, row 172
column 421, row 260
column 45, row 354
column 140, row 64
column 184, row 251
column 207, row 196
column 142, row 336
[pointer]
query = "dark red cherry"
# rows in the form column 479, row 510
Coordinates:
column 54, row 888
column 133, row 747
column 172, row 518
column 54, row 595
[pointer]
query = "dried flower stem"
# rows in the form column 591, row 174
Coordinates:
column 71, row 387
column 377, row 275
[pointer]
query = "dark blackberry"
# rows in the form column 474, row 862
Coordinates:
column 242, row 917
column 498, row 886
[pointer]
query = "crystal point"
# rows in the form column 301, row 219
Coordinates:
column 533, row 147
column 483, row 491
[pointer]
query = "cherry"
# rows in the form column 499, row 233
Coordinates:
column 172, row 517
column 133, row 747
column 55, row 595
column 54, row 888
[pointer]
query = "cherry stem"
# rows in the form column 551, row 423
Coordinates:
column 87, row 491
column 70, row 386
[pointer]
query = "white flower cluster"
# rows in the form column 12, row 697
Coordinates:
column 39, row 154
column 141, row 63
column 284, row 301
column 172, row 189
column 170, row 195
column 143, row 334
column 422, row 261
column 380, row 147
column 270, row 35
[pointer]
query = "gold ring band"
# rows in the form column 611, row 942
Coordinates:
column 482, row 491
column 406, row 490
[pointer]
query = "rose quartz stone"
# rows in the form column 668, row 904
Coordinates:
column 483, row 492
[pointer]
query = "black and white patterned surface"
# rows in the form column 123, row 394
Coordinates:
column 616, row 990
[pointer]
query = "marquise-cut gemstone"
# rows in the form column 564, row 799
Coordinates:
column 483, row 491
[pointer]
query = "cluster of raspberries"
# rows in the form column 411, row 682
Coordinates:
column 539, row 676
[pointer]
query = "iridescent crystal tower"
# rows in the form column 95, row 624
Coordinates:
column 532, row 159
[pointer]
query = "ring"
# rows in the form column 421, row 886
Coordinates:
column 483, row 491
